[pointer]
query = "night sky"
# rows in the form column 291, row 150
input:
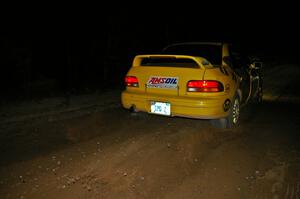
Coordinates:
column 93, row 50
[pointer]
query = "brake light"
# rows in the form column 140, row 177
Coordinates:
column 131, row 81
column 204, row 86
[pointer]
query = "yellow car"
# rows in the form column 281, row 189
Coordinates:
column 194, row 80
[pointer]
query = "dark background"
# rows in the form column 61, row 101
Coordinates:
column 92, row 50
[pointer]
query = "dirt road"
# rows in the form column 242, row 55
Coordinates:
column 111, row 153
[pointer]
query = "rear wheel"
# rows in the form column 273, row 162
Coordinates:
column 232, row 120
column 133, row 110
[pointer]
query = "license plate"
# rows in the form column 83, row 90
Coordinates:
column 161, row 108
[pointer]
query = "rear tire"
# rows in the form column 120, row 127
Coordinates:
column 133, row 111
column 232, row 120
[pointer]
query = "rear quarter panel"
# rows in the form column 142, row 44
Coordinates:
column 224, row 75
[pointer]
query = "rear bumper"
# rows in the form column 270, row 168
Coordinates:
column 191, row 107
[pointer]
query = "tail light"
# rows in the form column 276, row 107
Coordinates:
column 204, row 86
column 131, row 81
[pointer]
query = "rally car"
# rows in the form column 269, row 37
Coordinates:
column 194, row 80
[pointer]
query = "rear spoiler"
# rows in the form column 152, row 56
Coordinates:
column 199, row 60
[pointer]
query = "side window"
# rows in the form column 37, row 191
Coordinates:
column 235, row 55
column 239, row 59
column 229, row 60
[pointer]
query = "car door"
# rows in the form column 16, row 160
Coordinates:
column 240, row 64
column 256, row 77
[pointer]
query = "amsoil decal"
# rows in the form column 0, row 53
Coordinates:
column 162, row 82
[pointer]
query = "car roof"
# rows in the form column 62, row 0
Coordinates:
column 194, row 43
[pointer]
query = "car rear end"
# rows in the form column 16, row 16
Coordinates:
column 175, row 85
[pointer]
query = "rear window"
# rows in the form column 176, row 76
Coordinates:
column 169, row 62
column 213, row 53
